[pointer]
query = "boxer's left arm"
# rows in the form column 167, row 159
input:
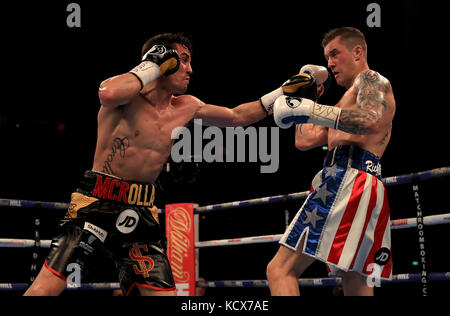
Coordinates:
column 252, row 112
column 371, row 104
column 220, row 116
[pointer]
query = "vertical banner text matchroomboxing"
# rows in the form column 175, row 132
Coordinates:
column 181, row 246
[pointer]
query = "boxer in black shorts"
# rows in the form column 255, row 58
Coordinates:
column 112, row 218
column 139, row 112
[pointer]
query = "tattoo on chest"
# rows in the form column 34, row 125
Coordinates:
column 120, row 145
column 384, row 139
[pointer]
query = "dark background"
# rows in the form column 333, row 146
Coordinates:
column 242, row 50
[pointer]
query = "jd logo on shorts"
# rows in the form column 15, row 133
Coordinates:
column 382, row 256
column 127, row 221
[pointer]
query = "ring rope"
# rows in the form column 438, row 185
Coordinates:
column 83, row 286
column 396, row 180
column 23, row 243
column 395, row 224
column 311, row 282
column 34, row 204
column 306, row 282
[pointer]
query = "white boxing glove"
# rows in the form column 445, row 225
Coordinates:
column 294, row 86
column 320, row 74
column 293, row 110
column 156, row 62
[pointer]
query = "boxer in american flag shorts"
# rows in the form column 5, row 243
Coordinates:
column 345, row 220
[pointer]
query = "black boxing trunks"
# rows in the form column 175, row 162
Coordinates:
column 346, row 218
column 113, row 218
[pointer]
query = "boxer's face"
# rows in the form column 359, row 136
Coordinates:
column 179, row 81
column 341, row 62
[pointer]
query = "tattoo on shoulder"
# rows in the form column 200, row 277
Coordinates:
column 371, row 101
column 372, row 89
column 120, row 145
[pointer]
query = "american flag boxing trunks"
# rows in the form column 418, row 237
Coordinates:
column 345, row 218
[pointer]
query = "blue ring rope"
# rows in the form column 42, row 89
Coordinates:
column 308, row 282
column 390, row 181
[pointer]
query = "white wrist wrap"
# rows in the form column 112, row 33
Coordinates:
column 146, row 71
column 325, row 115
column 269, row 99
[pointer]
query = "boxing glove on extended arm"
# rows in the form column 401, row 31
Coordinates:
column 321, row 76
column 300, row 85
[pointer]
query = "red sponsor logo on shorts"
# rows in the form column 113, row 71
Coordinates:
column 145, row 264
column 121, row 191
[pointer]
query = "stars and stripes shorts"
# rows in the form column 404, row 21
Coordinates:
column 345, row 219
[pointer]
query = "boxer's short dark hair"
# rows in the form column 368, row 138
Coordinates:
column 350, row 36
column 168, row 40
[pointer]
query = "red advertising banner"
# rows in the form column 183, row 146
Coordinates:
column 181, row 246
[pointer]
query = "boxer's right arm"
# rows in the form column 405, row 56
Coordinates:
column 118, row 90
column 309, row 136
column 121, row 89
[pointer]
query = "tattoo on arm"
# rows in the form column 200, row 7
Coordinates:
column 354, row 122
column 120, row 145
column 371, row 102
column 386, row 136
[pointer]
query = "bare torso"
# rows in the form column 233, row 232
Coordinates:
column 134, row 140
column 375, row 143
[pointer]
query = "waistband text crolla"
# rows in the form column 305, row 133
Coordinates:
column 124, row 192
